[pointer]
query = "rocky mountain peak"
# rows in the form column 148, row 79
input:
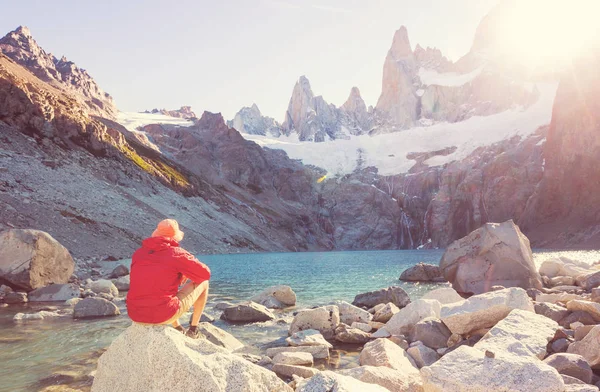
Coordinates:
column 354, row 103
column 212, row 121
column 401, row 44
column 300, row 104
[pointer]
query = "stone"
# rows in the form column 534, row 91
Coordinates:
column 494, row 254
column 382, row 352
column 563, row 266
column 404, row 321
column 446, row 295
column 324, row 319
column 30, row 259
column 432, row 332
column 318, row 352
column 557, row 297
column 589, row 307
column 454, row 340
column 580, row 388
column 393, row 294
column 582, row 331
column 484, row 310
column 349, row 335
column 72, row 301
column 560, row 345
column 122, row 283
column 469, row 369
column 596, row 295
column 93, row 307
column 521, row 333
column 293, row 370
column 16, row 297
column 588, row 347
column 562, row 281
column 41, row 315
column 385, row 313
column 571, row 365
column 54, row 292
column 247, row 312
column 381, row 333
column 392, row 379
column 191, row 364
column 375, row 308
column 219, row 337
column 578, row 316
column 399, row 340
column 276, row 297
column 422, row 273
column 423, row 355
column 103, row 286
column 222, row 305
column 120, row 270
column 106, row 296
column 308, row 337
column 376, row 325
column 365, row 327
column 4, row 290
column 571, row 380
column 550, row 310
column 335, row 382
column 350, row 313
column 300, row 359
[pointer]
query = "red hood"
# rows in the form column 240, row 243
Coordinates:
column 159, row 243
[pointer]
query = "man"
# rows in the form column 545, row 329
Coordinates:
column 158, row 268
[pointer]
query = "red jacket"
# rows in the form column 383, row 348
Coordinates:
column 157, row 270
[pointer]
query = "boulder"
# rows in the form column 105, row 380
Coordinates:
column 557, row 297
column 422, row 355
column 41, row 315
column 404, row 321
column 103, row 286
column 469, row 369
column 562, row 281
column 592, row 308
column 560, row 345
column 293, row 370
column 381, row 333
column 571, row 365
column 365, row 327
column 422, row 273
column 276, row 297
column 521, row 333
column 392, row 379
column 550, row 310
column 219, row 337
column 15, row 297
column 385, row 313
column 484, row 310
column 159, row 358
column 122, row 283
column 308, row 337
column 54, row 292
column 563, row 266
column 382, row 352
column 588, row 347
column 494, row 254
column 582, row 331
column 318, row 352
column 578, row 316
column 334, row 382
column 345, row 334
column 580, row 388
column 247, row 312
column 446, row 295
column 300, row 359
column 350, row 313
column 30, row 259
column 324, row 319
column 394, row 294
column 93, row 307
column 432, row 332
column 120, row 270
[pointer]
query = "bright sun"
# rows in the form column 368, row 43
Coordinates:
column 548, row 32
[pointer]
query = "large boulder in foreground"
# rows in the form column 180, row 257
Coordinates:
column 159, row 358
column 276, row 297
column 495, row 254
column 469, row 369
column 30, row 259
column 393, row 294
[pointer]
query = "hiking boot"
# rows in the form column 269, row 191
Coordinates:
column 181, row 329
column 194, row 333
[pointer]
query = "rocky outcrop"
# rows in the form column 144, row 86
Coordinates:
column 31, row 259
column 251, row 121
column 495, row 254
column 183, row 112
column 192, row 363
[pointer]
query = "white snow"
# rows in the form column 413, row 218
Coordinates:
column 388, row 152
column 133, row 120
column 450, row 79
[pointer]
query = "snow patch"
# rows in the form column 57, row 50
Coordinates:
column 133, row 120
column 449, row 79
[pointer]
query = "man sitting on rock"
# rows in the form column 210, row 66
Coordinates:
column 158, row 268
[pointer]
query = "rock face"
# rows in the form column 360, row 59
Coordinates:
column 422, row 273
column 193, row 363
column 324, row 319
column 394, row 294
column 54, row 292
column 484, row 310
column 20, row 46
column 469, row 369
column 276, row 297
column 93, row 307
column 495, row 254
column 30, row 259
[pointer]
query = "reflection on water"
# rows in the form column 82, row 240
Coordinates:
column 35, row 354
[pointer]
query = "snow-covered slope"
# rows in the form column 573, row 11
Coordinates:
column 133, row 120
column 388, row 152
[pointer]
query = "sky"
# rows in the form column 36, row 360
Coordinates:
column 222, row 55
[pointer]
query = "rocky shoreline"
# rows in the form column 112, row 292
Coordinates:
column 541, row 333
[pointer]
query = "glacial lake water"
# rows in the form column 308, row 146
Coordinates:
column 36, row 354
